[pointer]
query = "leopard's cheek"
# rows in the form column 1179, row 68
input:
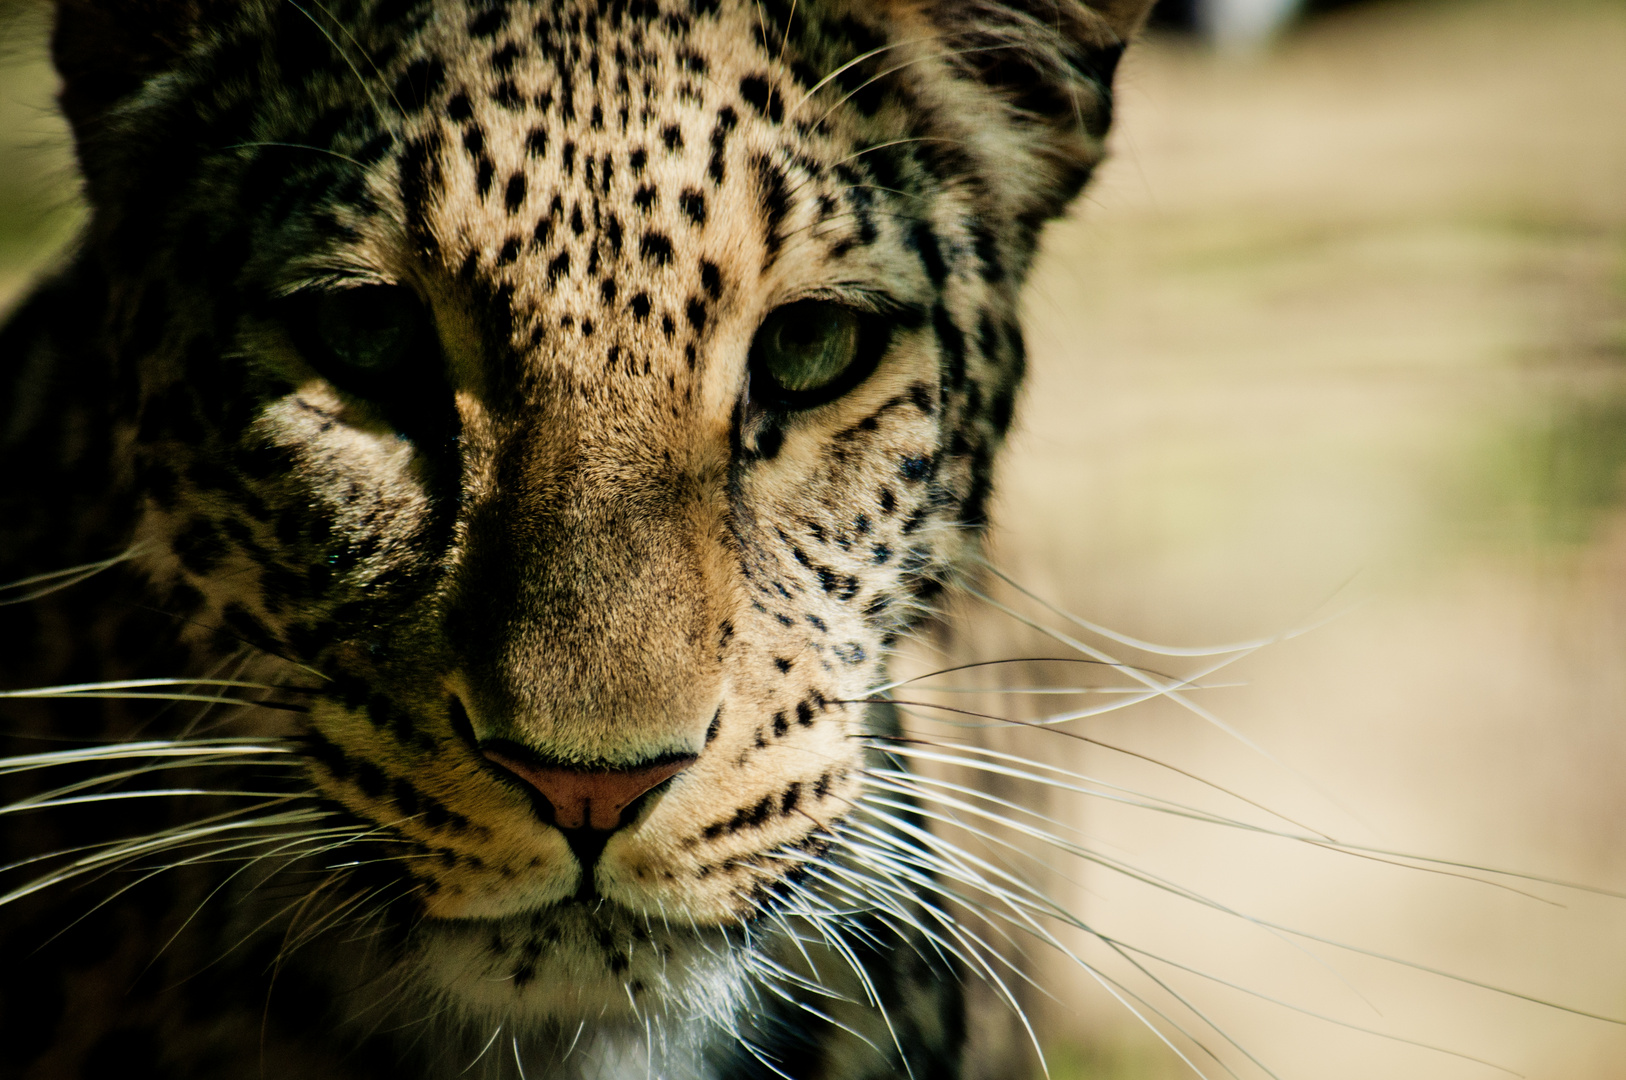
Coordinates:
column 468, row 844
column 739, row 826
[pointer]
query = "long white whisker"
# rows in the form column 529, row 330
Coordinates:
column 1024, row 921
column 215, row 749
column 70, row 689
column 1155, row 804
column 1112, row 986
column 37, row 586
column 118, row 796
column 1148, row 646
column 1301, row 1010
column 156, row 842
column 1125, row 751
column 1177, row 890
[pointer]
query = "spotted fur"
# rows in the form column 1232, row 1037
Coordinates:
column 575, row 533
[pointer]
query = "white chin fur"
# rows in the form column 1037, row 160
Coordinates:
column 576, row 962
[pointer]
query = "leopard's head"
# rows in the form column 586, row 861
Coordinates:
column 578, row 399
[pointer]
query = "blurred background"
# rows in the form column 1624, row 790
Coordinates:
column 1336, row 344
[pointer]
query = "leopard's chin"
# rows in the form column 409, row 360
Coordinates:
column 580, row 959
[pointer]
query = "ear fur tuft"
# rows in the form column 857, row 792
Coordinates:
column 1051, row 63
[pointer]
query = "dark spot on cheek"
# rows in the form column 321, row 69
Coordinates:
column 514, row 196
column 371, row 779
column 406, row 797
column 693, row 205
column 711, row 278
column 200, row 547
column 248, row 628
column 656, row 248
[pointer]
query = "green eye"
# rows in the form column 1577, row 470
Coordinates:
column 812, row 351
column 807, row 346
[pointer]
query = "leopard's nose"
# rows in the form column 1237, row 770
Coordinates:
column 588, row 798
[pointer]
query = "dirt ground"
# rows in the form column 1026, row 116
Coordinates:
column 1336, row 343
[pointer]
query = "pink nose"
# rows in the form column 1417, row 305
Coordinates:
column 589, row 798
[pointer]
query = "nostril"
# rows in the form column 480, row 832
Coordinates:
column 583, row 798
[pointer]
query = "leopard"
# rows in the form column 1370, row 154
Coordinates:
column 462, row 490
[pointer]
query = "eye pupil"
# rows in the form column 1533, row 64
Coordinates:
column 804, row 348
column 368, row 329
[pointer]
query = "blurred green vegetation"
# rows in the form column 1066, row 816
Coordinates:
column 1552, row 482
column 1555, row 476
column 1111, row 1060
column 39, row 198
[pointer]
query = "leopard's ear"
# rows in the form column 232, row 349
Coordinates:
column 1050, row 64
column 105, row 50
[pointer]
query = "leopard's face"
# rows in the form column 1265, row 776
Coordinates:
column 578, row 401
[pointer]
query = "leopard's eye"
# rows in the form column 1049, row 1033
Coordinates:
column 377, row 343
column 812, row 351
column 360, row 337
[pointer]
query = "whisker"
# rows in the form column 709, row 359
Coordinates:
column 182, row 750
column 203, row 858
column 1113, row 986
column 1388, row 1036
column 68, row 689
column 1132, row 754
column 848, row 66
column 253, row 144
column 366, row 88
column 154, row 842
column 116, row 796
column 1172, row 693
column 1187, row 894
column 1148, row 646
column 1160, row 805
column 24, row 590
column 365, row 55
column 887, row 687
